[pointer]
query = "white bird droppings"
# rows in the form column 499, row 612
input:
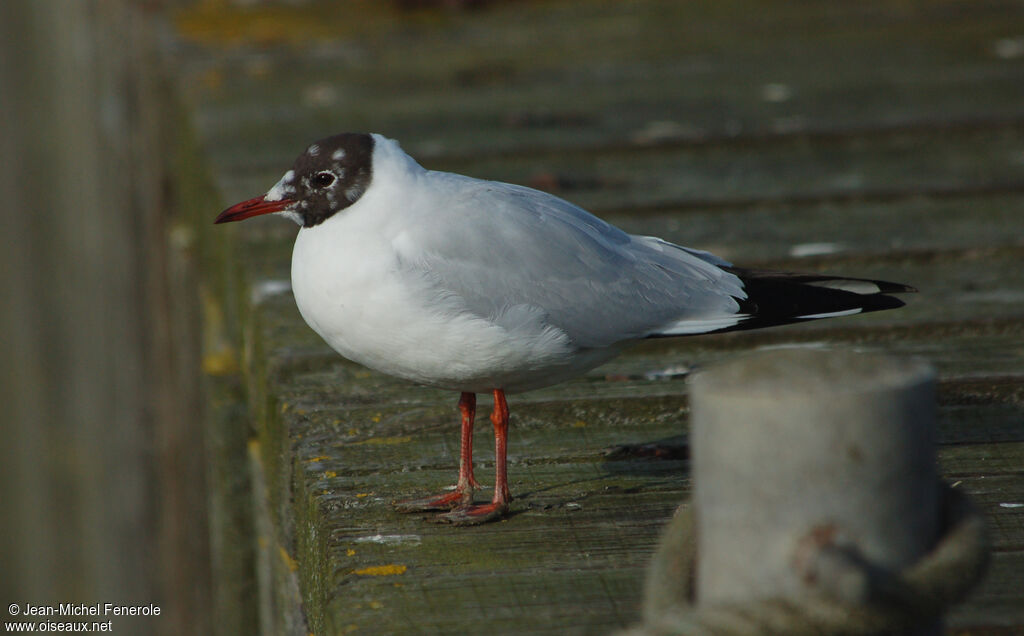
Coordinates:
column 390, row 539
column 264, row 289
column 814, row 249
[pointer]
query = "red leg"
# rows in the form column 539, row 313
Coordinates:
column 499, row 417
column 463, row 493
column 466, row 484
column 474, row 514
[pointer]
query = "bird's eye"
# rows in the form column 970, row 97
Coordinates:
column 323, row 179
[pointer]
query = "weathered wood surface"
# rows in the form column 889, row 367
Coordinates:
column 871, row 139
column 103, row 494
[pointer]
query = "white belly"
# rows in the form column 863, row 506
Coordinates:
column 354, row 294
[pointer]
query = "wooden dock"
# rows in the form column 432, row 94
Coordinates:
column 872, row 139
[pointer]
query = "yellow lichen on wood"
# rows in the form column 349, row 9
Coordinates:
column 289, row 562
column 231, row 25
column 401, row 439
column 220, row 363
column 382, row 570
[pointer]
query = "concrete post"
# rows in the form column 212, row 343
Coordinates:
column 797, row 448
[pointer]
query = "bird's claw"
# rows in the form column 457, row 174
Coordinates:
column 474, row 514
column 446, row 501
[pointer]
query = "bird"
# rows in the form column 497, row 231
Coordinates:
column 478, row 286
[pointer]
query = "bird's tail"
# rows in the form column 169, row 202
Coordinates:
column 778, row 298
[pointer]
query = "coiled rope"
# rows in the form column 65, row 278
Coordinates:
column 847, row 596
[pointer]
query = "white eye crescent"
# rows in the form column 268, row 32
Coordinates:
column 323, row 179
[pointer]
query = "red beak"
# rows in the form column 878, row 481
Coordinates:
column 252, row 207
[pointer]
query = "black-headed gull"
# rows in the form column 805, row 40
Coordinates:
column 475, row 285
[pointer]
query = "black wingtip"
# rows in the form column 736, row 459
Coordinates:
column 880, row 302
column 779, row 298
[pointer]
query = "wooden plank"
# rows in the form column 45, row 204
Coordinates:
column 475, row 83
column 578, row 510
column 764, row 232
column 891, row 133
column 695, row 176
column 577, row 513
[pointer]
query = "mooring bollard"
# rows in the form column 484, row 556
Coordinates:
column 817, row 506
column 794, row 443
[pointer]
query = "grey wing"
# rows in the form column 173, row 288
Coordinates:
column 512, row 254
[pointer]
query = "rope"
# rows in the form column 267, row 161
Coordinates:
column 851, row 597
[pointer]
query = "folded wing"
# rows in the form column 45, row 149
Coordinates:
column 508, row 251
